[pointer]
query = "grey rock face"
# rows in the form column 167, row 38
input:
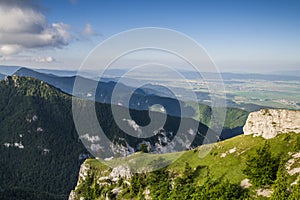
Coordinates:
column 268, row 123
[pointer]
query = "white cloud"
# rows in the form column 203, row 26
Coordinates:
column 23, row 26
column 48, row 59
column 10, row 49
column 16, row 19
column 89, row 31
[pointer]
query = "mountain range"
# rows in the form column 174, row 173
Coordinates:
column 41, row 151
column 141, row 99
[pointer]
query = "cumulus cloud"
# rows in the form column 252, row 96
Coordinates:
column 9, row 49
column 47, row 59
column 89, row 31
column 23, row 26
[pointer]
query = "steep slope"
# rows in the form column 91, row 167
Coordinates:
column 40, row 150
column 224, row 171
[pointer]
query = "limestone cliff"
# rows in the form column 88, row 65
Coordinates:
column 268, row 123
column 97, row 173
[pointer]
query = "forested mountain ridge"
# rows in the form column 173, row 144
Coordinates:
column 141, row 98
column 40, row 150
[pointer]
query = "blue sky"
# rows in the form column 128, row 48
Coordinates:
column 239, row 35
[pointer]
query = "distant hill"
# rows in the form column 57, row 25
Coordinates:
column 8, row 70
column 66, row 83
column 63, row 83
column 288, row 73
column 57, row 72
column 268, row 77
column 141, row 99
column 245, row 76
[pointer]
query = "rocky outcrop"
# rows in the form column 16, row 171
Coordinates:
column 120, row 172
column 268, row 123
column 103, row 175
column 83, row 173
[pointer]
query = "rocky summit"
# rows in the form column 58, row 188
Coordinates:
column 268, row 123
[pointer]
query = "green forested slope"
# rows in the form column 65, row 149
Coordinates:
column 38, row 144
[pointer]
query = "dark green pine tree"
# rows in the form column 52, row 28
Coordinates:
column 280, row 186
column 262, row 166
